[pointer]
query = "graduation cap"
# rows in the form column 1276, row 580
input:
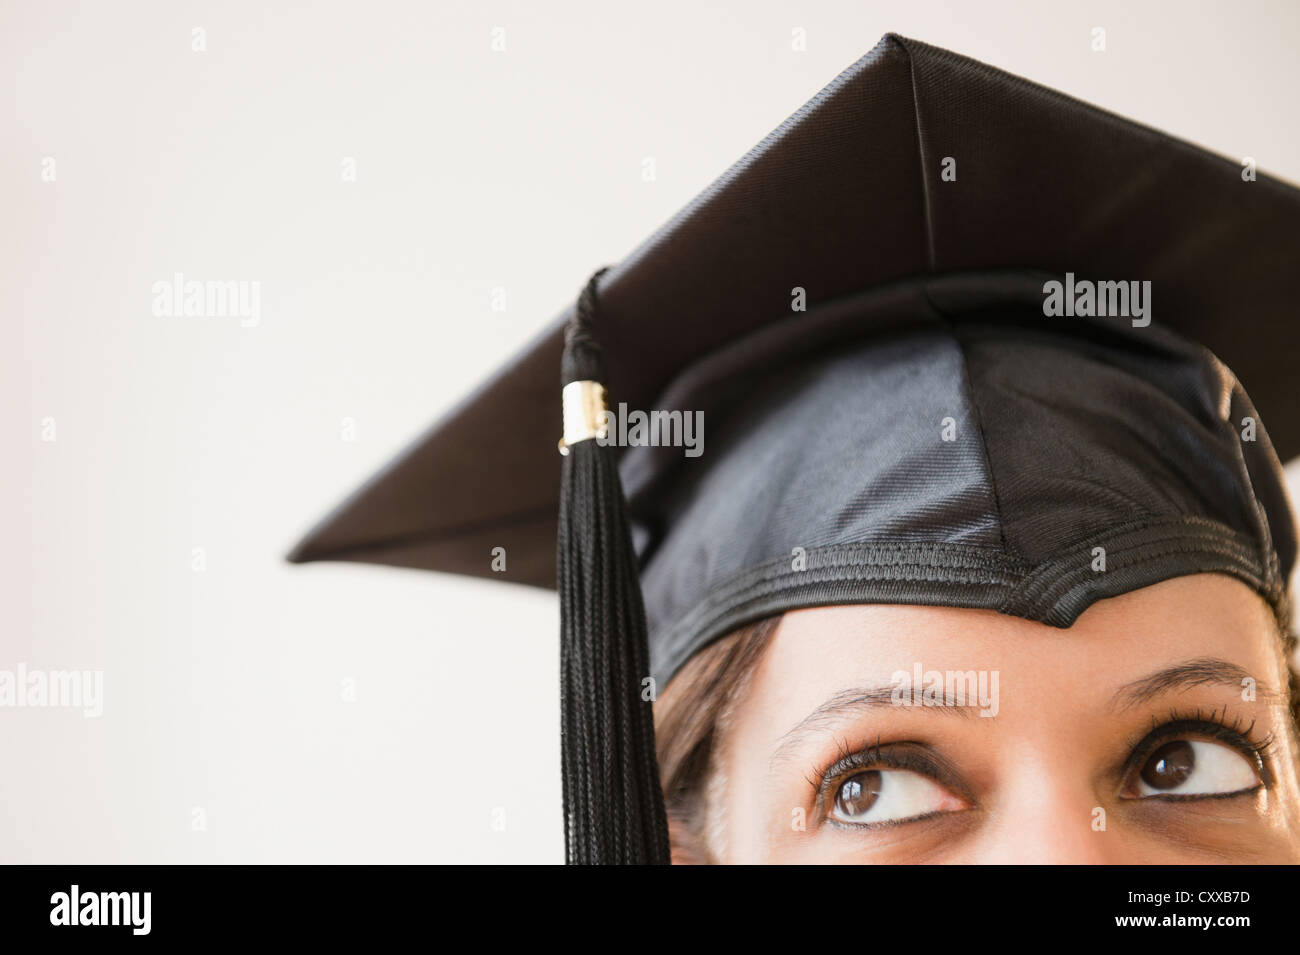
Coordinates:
column 954, row 338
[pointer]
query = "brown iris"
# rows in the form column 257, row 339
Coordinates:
column 858, row 793
column 1170, row 765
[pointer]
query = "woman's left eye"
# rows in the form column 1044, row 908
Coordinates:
column 1193, row 767
column 890, row 795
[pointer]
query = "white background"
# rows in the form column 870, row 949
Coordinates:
column 475, row 169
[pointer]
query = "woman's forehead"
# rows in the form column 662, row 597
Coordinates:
column 818, row 653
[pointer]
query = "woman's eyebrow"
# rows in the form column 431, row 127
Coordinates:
column 1185, row 675
column 850, row 701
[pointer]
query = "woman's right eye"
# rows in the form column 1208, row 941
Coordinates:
column 883, row 796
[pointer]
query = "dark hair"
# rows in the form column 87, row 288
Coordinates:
column 691, row 719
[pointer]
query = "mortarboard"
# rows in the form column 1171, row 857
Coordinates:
column 952, row 333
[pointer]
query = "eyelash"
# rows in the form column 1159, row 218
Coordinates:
column 897, row 755
column 1216, row 726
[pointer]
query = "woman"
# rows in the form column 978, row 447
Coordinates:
column 985, row 555
column 1099, row 754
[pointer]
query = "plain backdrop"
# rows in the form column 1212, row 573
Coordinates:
column 260, row 712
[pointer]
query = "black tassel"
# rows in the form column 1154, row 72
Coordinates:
column 613, row 804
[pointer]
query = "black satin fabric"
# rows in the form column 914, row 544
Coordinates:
column 968, row 451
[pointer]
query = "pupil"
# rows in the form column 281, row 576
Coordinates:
column 1170, row 765
column 859, row 793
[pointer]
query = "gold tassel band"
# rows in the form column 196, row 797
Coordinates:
column 584, row 408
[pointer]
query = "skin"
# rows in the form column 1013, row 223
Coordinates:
column 1025, row 785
